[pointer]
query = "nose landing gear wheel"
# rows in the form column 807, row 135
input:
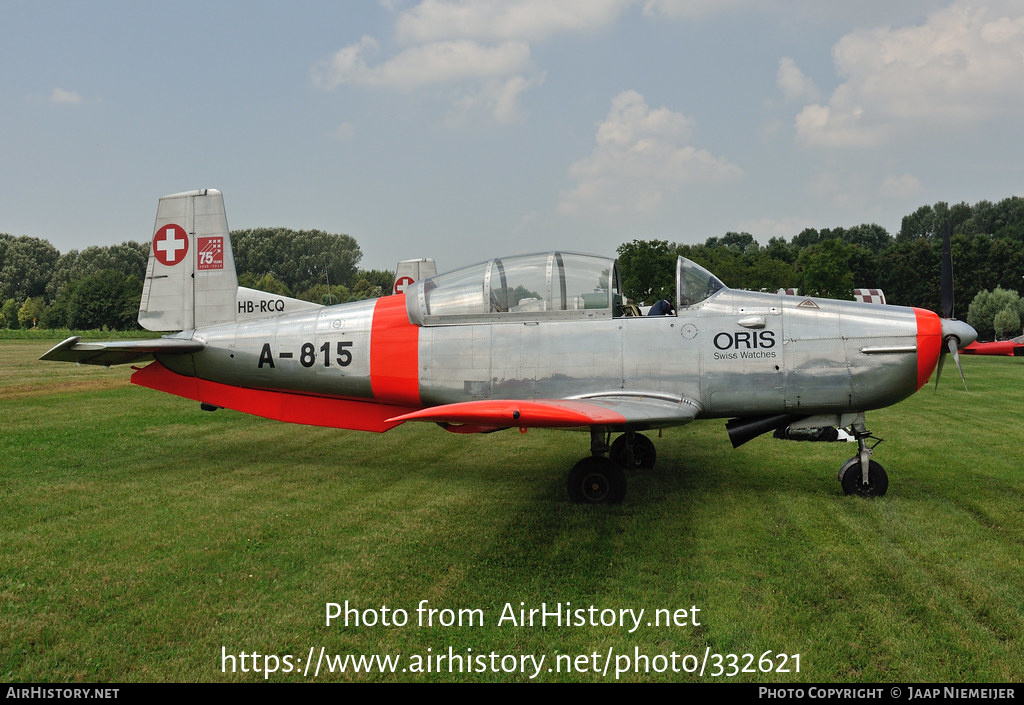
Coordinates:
column 596, row 480
column 851, row 478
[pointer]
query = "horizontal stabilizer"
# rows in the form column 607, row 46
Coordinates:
column 119, row 352
column 621, row 411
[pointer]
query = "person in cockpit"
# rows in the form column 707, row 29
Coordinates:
column 661, row 308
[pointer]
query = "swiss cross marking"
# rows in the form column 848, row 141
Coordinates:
column 170, row 244
column 401, row 283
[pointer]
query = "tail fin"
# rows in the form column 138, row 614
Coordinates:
column 190, row 279
column 410, row 271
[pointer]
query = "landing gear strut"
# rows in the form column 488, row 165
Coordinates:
column 599, row 479
column 860, row 475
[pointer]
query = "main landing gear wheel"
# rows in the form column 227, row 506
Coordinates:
column 644, row 453
column 596, row 480
column 851, row 478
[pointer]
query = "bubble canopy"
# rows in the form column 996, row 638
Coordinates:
column 551, row 285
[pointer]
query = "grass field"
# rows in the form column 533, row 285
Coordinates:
column 141, row 539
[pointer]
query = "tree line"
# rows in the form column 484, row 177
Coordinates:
column 100, row 287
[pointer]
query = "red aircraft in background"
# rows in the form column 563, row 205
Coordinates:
column 1014, row 347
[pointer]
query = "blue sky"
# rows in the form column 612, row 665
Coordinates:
column 465, row 129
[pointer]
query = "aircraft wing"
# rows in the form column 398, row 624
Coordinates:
column 625, row 411
column 118, row 352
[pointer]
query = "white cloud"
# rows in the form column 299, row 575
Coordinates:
column 503, row 20
column 492, row 77
column 641, row 157
column 962, row 66
column 347, row 65
column 482, row 47
column 838, row 125
column 850, row 189
column 343, row 132
column 498, row 98
column 426, row 64
column 693, row 9
column 794, row 83
column 858, row 191
column 900, row 186
column 825, row 184
column 59, row 96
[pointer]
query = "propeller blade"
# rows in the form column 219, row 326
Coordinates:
column 938, row 370
column 951, row 344
column 947, row 273
column 955, row 335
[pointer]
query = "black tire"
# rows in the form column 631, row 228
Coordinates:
column 850, row 479
column 596, row 480
column 644, row 452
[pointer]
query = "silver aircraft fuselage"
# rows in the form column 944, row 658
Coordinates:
column 738, row 353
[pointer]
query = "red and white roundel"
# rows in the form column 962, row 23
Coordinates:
column 401, row 283
column 170, row 244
